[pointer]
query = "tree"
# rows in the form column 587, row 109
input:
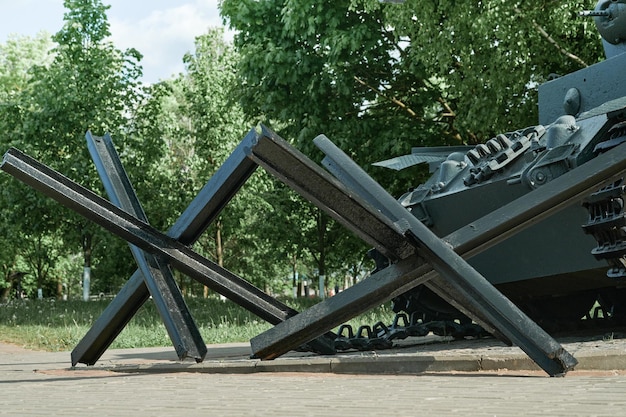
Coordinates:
column 323, row 67
column 218, row 124
column 89, row 84
column 191, row 124
column 381, row 78
column 487, row 57
column 378, row 79
column 17, row 56
column 320, row 67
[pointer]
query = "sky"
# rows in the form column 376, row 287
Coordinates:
column 162, row 30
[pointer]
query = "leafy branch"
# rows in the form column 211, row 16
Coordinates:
column 391, row 99
column 550, row 39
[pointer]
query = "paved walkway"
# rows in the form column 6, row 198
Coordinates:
column 425, row 380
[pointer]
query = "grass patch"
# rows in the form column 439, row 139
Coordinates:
column 59, row 325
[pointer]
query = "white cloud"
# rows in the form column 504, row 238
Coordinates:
column 163, row 36
column 162, row 30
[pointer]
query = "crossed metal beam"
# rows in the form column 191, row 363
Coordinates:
column 418, row 255
column 156, row 274
column 466, row 290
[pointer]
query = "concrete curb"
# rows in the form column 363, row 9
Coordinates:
column 411, row 358
column 373, row 363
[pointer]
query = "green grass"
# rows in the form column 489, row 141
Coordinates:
column 60, row 325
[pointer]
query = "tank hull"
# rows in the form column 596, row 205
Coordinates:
column 550, row 263
column 556, row 246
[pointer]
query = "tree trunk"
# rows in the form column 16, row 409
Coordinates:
column 322, row 226
column 6, row 292
column 294, row 277
column 219, row 251
column 41, row 266
column 59, row 289
column 87, row 248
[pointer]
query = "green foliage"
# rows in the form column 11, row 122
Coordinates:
column 376, row 78
column 487, row 57
column 324, row 67
column 90, row 85
column 198, row 124
column 380, row 78
column 185, row 129
column 17, row 57
column 83, row 83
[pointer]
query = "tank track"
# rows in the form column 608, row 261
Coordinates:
column 607, row 221
column 382, row 337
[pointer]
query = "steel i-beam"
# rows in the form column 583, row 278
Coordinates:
column 357, row 180
column 200, row 213
column 157, row 275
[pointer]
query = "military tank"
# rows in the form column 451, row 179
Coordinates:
column 561, row 267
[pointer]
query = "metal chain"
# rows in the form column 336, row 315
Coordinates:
column 380, row 336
